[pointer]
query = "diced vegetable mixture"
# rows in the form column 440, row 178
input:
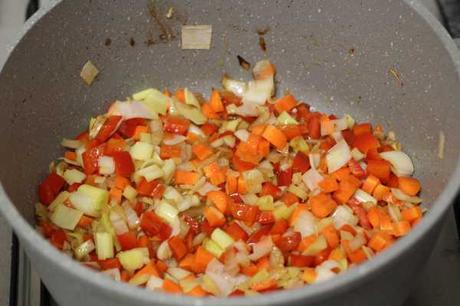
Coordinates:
column 237, row 194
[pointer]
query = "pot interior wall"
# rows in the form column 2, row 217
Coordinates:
column 338, row 56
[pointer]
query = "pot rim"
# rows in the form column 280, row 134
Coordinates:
column 354, row 276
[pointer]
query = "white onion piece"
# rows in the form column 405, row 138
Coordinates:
column 178, row 273
column 323, row 274
column 400, row 195
column 357, row 155
column 247, row 109
column 364, row 197
column 129, row 110
column 314, row 159
column 340, row 124
column 258, row 91
column 236, row 87
column 338, row 156
column 260, row 69
column 207, row 187
column 312, row 178
column 106, row 165
column 401, row 164
column 118, row 223
column 196, row 130
column 357, row 242
column 154, row 283
column 113, row 273
column 131, row 216
column 261, row 248
column 305, row 224
column 337, row 136
column 224, row 281
column 176, row 139
column 163, row 251
column 344, row 215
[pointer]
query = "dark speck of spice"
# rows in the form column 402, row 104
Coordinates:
column 262, row 43
column 132, row 42
column 108, row 42
column 351, row 51
column 243, row 63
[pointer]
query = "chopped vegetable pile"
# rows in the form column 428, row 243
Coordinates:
column 238, row 194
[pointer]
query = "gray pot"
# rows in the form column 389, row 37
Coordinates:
column 339, row 56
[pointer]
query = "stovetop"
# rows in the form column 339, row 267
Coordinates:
column 438, row 285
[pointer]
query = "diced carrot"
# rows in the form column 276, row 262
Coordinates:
column 306, row 242
column 209, row 128
column 263, row 263
column 148, row 269
column 297, row 212
column 362, row 128
column 379, row 168
column 166, row 92
column 365, row 142
column 208, row 111
column 357, row 256
column 346, row 190
column 341, row 174
column 379, row 241
column 275, row 136
column 322, row 205
column 114, row 145
column 202, row 258
column 289, row 198
column 124, row 276
column 329, row 184
column 214, row 216
column 139, row 130
column 185, row 177
column 161, row 266
column 264, row 285
column 143, row 241
column 231, row 185
column 409, row 185
column 309, row 275
column 401, row 228
column 178, row 247
column 121, row 182
column 373, row 215
column 370, row 183
column 70, row 155
column 219, row 199
column 85, row 221
column 380, row 192
column 180, row 94
column 327, row 126
column 115, row 194
column 411, row 214
column 250, row 270
column 240, row 165
column 201, row 151
column 215, row 173
column 197, row 291
column 216, row 102
column 171, row 287
column 188, row 262
column 167, row 151
column 242, row 188
column 337, row 254
column 330, row 233
column 285, row 103
column 258, row 129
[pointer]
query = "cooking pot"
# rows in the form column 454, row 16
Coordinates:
column 384, row 61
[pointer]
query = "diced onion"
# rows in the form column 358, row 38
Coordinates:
column 254, row 180
column 66, row 217
column 314, row 159
column 258, row 91
column 113, row 273
column 363, row 196
column 154, row 283
column 118, row 223
column 357, row 155
column 104, row 245
column 131, row 216
column 242, row 135
column 176, row 139
column 236, row 87
column 141, row 151
column 400, row 195
column 190, row 112
column 106, row 165
column 84, row 249
column 72, row 176
column 401, row 164
column 340, row 124
column 312, row 178
column 223, row 239
column 338, row 156
column 190, row 98
column 71, row 143
column 196, row 36
column 163, row 251
column 261, row 248
column 134, row 259
column 207, row 187
column 150, row 173
column 89, row 72
column 131, row 109
column 178, row 273
column 224, row 281
column 344, row 215
column 305, row 224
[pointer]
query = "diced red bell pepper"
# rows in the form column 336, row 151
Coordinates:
column 314, row 127
column 291, row 131
column 108, row 128
column 263, row 231
column 193, row 224
column 270, row 189
column 153, row 225
column 206, row 227
column 50, row 188
column 237, row 233
column 127, row 241
column 152, row 189
column 303, row 112
column 322, row 256
column 356, row 169
column 240, row 165
column 285, row 177
column 139, row 208
column 379, row 168
column 58, row 237
column 361, row 212
column 178, row 247
column 362, row 128
column 209, row 128
column 279, row 227
column 90, row 159
column 176, row 125
column 266, row 217
column 365, row 142
column 348, row 136
column 300, row 261
column 289, row 242
column 111, row 263
column 244, row 212
column 128, row 127
column 124, row 165
column 301, row 163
